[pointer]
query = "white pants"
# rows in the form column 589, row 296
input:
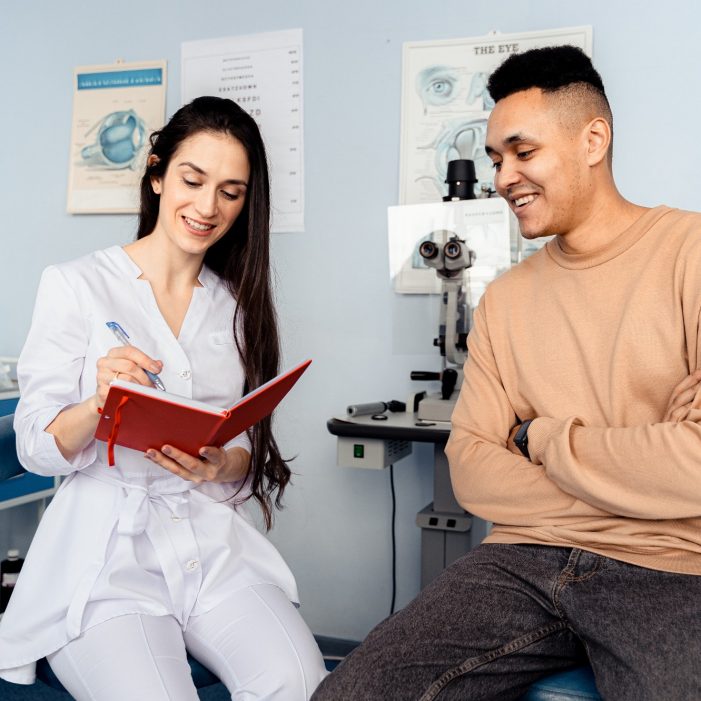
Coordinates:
column 255, row 642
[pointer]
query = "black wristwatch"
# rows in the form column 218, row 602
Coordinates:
column 521, row 438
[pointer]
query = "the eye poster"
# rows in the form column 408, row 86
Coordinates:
column 115, row 110
column 445, row 104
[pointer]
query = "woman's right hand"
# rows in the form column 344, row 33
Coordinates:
column 74, row 427
column 682, row 397
column 127, row 363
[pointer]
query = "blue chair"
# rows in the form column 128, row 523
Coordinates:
column 573, row 685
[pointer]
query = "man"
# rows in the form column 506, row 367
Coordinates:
column 577, row 432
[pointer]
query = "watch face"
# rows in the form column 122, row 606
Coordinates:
column 521, row 438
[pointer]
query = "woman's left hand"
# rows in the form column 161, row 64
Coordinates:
column 214, row 465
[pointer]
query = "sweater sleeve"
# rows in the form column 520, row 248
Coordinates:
column 647, row 472
column 488, row 479
column 650, row 471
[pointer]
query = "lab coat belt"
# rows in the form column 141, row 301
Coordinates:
column 134, row 509
column 133, row 516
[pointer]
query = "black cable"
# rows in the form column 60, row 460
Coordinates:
column 394, row 541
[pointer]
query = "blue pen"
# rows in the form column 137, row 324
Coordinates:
column 123, row 337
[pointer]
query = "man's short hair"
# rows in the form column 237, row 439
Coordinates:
column 564, row 72
column 550, row 69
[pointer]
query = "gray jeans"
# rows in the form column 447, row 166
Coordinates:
column 503, row 616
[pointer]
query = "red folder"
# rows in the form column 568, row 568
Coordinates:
column 139, row 417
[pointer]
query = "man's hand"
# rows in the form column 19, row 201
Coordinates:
column 682, row 398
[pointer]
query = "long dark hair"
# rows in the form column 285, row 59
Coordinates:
column 241, row 258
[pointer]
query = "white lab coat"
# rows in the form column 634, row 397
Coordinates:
column 133, row 538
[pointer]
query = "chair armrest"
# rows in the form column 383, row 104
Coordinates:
column 9, row 464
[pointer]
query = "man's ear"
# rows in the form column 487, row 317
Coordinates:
column 598, row 134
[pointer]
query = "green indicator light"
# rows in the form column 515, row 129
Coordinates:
column 358, row 450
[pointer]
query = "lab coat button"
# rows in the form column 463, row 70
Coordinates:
column 175, row 519
column 192, row 565
column 185, row 374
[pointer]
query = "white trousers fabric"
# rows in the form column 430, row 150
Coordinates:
column 255, row 642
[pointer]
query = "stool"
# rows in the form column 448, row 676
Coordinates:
column 572, row 685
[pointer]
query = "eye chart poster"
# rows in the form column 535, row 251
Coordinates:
column 115, row 109
column 263, row 74
column 445, row 104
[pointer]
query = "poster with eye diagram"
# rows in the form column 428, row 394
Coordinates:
column 115, row 110
column 445, row 104
column 263, row 74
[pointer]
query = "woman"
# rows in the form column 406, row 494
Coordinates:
column 152, row 556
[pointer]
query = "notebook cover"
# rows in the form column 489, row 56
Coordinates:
column 150, row 420
column 258, row 404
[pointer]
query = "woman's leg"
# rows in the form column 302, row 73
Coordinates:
column 135, row 657
column 258, row 645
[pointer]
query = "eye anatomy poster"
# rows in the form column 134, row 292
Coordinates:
column 263, row 74
column 445, row 104
column 115, row 110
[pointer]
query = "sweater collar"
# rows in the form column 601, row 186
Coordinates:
column 622, row 242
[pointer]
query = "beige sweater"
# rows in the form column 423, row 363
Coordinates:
column 590, row 346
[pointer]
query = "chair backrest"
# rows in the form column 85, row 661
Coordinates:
column 9, row 464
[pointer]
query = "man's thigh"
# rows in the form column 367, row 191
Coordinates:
column 641, row 628
column 485, row 628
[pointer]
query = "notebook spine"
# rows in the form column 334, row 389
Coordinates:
column 215, row 431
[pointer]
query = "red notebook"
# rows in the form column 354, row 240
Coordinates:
column 139, row 417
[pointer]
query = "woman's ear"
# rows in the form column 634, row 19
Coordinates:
column 153, row 160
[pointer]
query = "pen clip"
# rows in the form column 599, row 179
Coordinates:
column 114, row 326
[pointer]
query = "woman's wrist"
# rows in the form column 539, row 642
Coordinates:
column 74, row 427
column 94, row 405
column 237, row 460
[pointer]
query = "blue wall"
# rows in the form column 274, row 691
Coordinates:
column 335, row 298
